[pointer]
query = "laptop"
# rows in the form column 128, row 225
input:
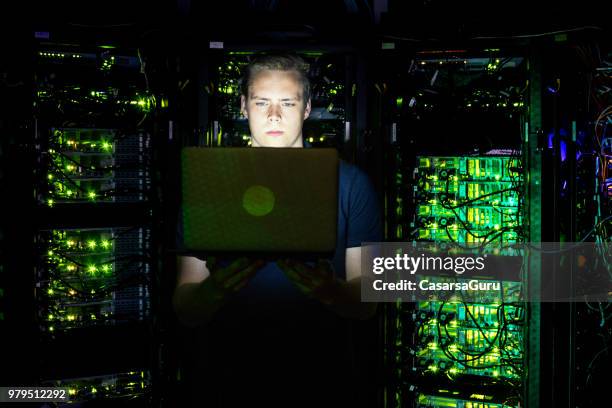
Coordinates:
column 259, row 200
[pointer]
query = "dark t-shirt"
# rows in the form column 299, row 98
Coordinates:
column 272, row 344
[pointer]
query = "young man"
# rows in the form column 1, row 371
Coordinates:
column 286, row 316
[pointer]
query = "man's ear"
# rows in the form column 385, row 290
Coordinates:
column 243, row 106
column 307, row 110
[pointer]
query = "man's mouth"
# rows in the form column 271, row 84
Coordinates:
column 274, row 133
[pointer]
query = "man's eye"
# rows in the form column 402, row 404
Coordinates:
column 260, row 103
column 288, row 104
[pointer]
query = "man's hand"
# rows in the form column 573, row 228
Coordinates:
column 235, row 276
column 204, row 286
column 316, row 281
column 319, row 282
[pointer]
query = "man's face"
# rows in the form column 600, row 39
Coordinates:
column 275, row 109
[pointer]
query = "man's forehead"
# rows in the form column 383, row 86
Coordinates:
column 267, row 97
column 272, row 83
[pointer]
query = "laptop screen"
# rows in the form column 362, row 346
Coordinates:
column 260, row 199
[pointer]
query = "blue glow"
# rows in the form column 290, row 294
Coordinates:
column 563, row 144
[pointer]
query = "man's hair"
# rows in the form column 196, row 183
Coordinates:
column 276, row 62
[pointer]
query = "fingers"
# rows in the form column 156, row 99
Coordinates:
column 300, row 275
column 237, row 274
column 314, row 275
column 297, row 279
column 241, row 277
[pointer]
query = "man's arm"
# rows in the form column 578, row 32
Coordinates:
column 346, row 301
column 199, row 294
column 194, row 295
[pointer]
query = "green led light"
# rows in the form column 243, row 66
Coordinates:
column 50, row 291
column 50, row 176
column 91, row 195
column 50, row 317
column 312, row 53
column 50, row 202
column 105, row 244
column 91, row 244
column 92, row 269
column 106, row 268
column 50, row 253
column 106, row 146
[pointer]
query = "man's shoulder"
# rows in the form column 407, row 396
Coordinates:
column 351, row 174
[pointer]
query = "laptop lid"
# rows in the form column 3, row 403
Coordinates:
column 271, row 200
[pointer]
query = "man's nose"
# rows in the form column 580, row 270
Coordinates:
column 274, row 114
